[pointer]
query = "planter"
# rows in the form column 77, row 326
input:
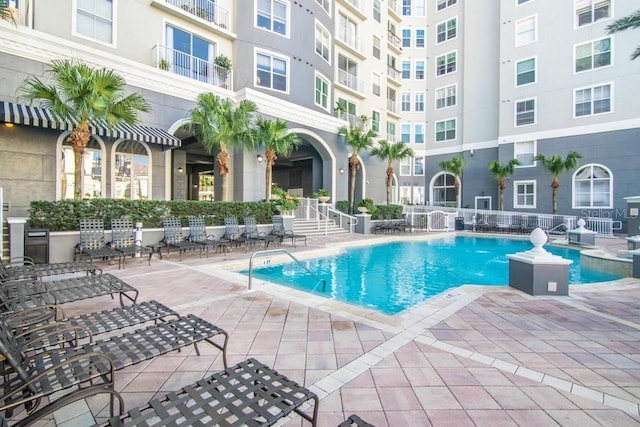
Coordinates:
column 362, row 209
column 324, row 199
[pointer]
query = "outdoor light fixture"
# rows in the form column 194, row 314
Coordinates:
column 341, row 170
column 180, row 170
column 260, row 158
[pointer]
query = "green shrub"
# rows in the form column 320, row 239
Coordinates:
column 342, row 206
column 369, row 204
column 388, row 212
column 64, row 215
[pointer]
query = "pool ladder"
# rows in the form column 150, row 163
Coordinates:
column 286, row 252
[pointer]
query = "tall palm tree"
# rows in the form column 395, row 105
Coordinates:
column 454, row 167
column 219, row 124
column 500, row 173
column 625, row 23
column 277, row 142
column 391, row 152
column 557, row 165
column 358, row 137
column 85, row 96
column 8, row 13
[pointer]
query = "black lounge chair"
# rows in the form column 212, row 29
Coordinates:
column 247, row 394
column 279, row 231
column 198, row 234
column 123, row 240
column 233, row 234
column 355, row 421
column 173, row 238
column 93, row 243
column 251, row 231
column 26, row 268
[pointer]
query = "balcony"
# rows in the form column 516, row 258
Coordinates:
column 351, row 81
column 203, row 12
column 394, row 9
column 394, row 41
column 356, row 7
column 392, row 106
column 351, row 41
column 183, row 64
column 352, row 119
column 394, row 74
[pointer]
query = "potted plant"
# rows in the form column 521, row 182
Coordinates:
column 366, row 206
column 322, row 195
column 223, row 66
column 163, row 64
column 284, row 202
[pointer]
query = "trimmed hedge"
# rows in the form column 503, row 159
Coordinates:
column 387, row 212
column 64, row 215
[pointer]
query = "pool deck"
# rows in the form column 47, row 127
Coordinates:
column 473, row 356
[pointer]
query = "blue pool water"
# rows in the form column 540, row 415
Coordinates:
column 395, row 276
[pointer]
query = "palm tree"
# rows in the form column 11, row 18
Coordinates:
column 218, row 123
column 500, row 173
column 277, row 142
column 625, row 23
column 85, row 96
column 454, row 167
column 557, row 165
column 391, row 152
column 358, row 137
column 8, row 13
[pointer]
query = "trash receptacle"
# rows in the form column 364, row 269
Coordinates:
column 459, row 223
column 36, row 245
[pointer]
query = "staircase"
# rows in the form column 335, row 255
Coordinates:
column 316, row 228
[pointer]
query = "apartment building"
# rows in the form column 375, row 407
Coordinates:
column 481, row 79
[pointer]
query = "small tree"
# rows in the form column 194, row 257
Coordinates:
column 357, row 137
column 454, row 167
column 625, row 23
column 500, row 173
column 277, row 142
column 556, row 165
column 391, row 152
column 84, row 95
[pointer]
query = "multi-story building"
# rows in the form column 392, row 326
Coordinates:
column 480, row 79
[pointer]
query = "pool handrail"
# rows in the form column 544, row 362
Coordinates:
column 286, row 252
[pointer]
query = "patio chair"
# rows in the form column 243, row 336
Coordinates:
column 354, row 421
column 251, row 231
column 517, row 224
column 26, row 268
column 173, row 238
column 123, row 240
column 198, row 234
column 531, row 224
column 247, row 394
column 233, row 234
column 279, row 231
column 93, row 243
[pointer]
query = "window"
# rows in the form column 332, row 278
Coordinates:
column 419, row 37
column 375, row 84
column 525, row 112
column 94, row 19
column 524, row 152
column 418, row 166
column 377, row 8
column 524, row 194
column 446, row 97
column 405, row 195
column 348, row 72
column 376, row 47
column 406, row 70
column 593, row 100
column 446, row 130
column 443, row 191
column 375, row 121
column 446, row 30
column 420, row 8
column 272, row 16
column 406, row 37
column 350, row 109
column 442, row 4
column 418, row 133
column 322, row 92
column 272, row 72
column 391, row 99
column 592, row 187
column 522, row 2
column 446, row 64
column 323, row 42
column 347, row 31
column 419, row 101
column 405, row 166
column 191, row 56
column 419, row 70
column 391, row 131
column 325, row 4
column 406, row 7
column 592, row 55
column 526, row 30
column 590, row 11
column 132, row 171
column 526, row 72
column 405, row 101
column 92, row 165
column 405, row 133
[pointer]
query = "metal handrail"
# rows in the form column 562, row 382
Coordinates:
column 353, row 221
column 320, row 216
column 286, row 252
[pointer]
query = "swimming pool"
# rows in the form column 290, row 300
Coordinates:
column 395, row 276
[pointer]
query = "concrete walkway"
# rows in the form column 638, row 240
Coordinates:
column 473, row 356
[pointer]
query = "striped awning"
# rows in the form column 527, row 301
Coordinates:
column 40, row 117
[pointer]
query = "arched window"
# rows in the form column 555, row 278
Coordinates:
column 443, row 192
column 592, row 187
column 132, row 171
column 93, row 182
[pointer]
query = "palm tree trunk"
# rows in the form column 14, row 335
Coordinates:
column 389, row 181
column 353, row 163
column 456, row 187
column 554, row 193
column 270, row 156
column 223, row 161
column 501, row 186
column 79, row 137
